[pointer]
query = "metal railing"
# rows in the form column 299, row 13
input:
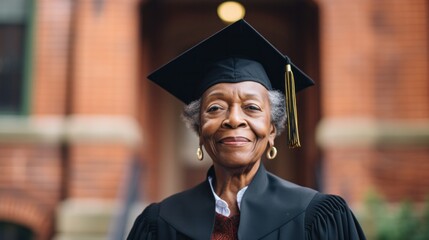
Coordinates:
column 128, row 196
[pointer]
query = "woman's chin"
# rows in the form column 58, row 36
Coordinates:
column 235, row 161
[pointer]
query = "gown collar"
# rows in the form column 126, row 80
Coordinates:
column 267, row 197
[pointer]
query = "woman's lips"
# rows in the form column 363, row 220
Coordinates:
column 234, row 140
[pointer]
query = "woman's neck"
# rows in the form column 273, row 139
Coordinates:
column 230, row 181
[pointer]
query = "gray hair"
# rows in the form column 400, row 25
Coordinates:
column 191, row 112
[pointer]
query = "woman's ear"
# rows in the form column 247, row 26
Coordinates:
column 200, row 137
column 273, row 134
column 199, row 131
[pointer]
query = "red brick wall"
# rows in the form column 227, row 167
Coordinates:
column 30, row 185
column 401, row 58
column 401, row 172
column 94, row 65
column 87, row 54
column 105, row 58
column 346, row 49
column 51, row 56
column 85, row 59
column 398, row 173
column 375, row 58
column 97, row 171
column 345, row 172
column 104, row 82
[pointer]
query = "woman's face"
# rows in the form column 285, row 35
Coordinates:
column 235, row 123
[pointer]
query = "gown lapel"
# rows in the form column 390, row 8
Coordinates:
column 192, row 212
column 270, row 203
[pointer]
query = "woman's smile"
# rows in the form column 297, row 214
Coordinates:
column 234, row 141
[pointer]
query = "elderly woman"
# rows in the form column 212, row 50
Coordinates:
column 235, row 84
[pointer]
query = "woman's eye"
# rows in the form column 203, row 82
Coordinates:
column 213, row 108
column 253, row 107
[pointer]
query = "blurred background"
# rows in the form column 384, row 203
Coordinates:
column 86, row 141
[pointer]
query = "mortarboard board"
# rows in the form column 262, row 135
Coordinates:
column 234, row 54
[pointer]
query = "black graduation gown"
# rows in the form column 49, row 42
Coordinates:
column 271, row 208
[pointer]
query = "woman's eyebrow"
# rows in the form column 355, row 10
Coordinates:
column 216, row 94
column 253, row 96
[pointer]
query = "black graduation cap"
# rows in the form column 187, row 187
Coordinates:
column 234, row 54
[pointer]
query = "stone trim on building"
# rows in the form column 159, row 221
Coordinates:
column 82, row 129
column 364, row 132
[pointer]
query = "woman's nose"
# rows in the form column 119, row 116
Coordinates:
column 234, row 118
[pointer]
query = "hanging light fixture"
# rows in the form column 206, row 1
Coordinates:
column 231, row 11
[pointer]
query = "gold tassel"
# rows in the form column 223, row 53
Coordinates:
column 292, row 116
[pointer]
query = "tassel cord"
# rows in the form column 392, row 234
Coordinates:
column 292, row 115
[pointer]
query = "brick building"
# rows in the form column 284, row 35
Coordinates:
column 76, row 110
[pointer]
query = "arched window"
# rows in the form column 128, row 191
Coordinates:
column 11, row 231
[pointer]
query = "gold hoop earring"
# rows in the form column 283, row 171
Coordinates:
column 272, row 153
column 200, row 154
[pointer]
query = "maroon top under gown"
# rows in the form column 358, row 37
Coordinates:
column 225, row 228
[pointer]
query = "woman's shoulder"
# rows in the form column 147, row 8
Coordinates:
column 284, row 188
column 326, row 203
column 329, row 217
column 325, row 216
column 183, row 198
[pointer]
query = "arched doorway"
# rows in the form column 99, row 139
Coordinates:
column 12, row 231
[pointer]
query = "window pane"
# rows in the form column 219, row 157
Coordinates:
column 11, row 67
column 13, row 11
